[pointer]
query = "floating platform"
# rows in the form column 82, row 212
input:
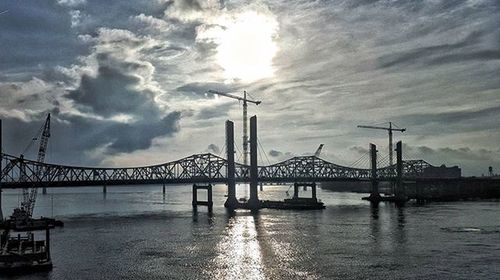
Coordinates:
column 23, row 267
column 31, row 224
column 294, row 204
column 380, row 198
column 287, row 204
column 23, row 253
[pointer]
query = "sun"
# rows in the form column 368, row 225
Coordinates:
column 247, row 46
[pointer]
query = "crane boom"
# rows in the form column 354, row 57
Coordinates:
column 29, row 194
column 390, row 129
column 383, row 128
column 44, row 140
column 318, row 151
column 244, row 99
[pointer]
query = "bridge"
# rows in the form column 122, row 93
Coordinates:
column 199, row 168
column 412, row 179
column 203, row 170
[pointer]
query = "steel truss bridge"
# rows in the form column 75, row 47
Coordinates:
column 200, row 168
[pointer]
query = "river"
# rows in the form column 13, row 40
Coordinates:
column 139, row 233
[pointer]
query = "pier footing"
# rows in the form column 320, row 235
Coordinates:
column 209, row 202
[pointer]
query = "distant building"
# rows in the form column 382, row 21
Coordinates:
column 442, row 172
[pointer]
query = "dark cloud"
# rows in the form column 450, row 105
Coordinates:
column 188, row 5
column 360, row 150
column 435, row 54
column 452, row 122
column 453, row 116
column 86, row 141
column 472, row 161
column 201, row 89
column 214, row 149
column 36, row 34
column 112, row 92
column 486, row 55
column 117, row 137
column 280, row 155
column 275, row 153
column 117, row 93
column 214, row 111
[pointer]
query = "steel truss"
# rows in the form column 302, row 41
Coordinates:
column 200, row 168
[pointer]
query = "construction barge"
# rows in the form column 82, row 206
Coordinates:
column 25, row 244
column 287, row 204
column 294, row 203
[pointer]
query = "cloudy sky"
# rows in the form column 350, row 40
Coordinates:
column 126, row 81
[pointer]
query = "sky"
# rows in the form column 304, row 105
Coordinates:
column 126, row 81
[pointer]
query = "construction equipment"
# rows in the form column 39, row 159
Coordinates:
column 25, row 211
column 390, row 129
column 318, row 151
column 245, row 118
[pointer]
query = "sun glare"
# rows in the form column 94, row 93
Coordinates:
column 247, row 47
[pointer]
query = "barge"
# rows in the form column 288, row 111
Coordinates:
column 25, row 245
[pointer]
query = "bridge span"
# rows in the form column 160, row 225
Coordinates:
column 199, row 168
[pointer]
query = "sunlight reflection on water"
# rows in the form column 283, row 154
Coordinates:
column 239, row 252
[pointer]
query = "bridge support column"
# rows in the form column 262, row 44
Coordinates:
column 163, row 189
column 1, row 212
column 400, row 191
column 374, row 195
column 253, row 202
column 209, row 203
column 1, row 168
column 296, row 187
column 231, row 201
column 44, row 190
column 104, row 189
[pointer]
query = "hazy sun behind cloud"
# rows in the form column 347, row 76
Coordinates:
column 245, row 45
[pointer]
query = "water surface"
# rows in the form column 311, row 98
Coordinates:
column 137, row 232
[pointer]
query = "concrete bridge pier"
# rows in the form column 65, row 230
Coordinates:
column 231, row 201
column 44, row 190
column 374, row 195
column 296, row 187
column 1, row 168
column 253, row 201
column 209, row 202
column 104, row 189
column 163, row 189
column 400, row 191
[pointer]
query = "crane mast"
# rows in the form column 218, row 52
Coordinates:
column 245, row 118
column 390, row 129
column 245, row 129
